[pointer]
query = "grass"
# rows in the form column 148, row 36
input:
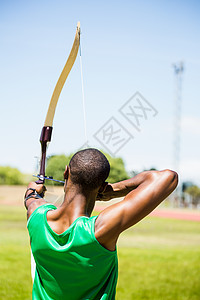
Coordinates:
column 15, row 278
column 158, row 259
column 158, row 274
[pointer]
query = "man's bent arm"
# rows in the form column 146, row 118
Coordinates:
column 144, row 192
column 121, row 188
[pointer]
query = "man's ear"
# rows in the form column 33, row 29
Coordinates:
column 66, row 173
column 102, row 187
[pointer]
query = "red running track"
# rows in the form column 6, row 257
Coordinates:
column 172, row 214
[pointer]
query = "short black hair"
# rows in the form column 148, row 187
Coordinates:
column 89, row 168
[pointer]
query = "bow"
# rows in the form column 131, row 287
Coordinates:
column 48, row 124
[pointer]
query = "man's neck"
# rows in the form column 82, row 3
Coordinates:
column 77, row 203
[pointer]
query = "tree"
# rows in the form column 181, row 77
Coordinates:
column 194, row 192
column 117, row 169
column 185, row 185
column 56, row 167
column 10, row 176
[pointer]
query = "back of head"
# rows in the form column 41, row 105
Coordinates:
column 89, row 168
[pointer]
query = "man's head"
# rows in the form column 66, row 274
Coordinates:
column 89, row 169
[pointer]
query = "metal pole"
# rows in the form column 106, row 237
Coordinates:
column 178, row 70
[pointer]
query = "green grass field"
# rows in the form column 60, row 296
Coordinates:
column 158, row 259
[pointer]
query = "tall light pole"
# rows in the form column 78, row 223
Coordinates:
column 178, row 71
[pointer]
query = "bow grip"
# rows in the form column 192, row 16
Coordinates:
column 46, row 134
column 44, row 139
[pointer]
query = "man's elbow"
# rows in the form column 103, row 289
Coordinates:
column 172, row 178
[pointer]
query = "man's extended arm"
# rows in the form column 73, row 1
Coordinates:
column 34, row 199
column 143, row 193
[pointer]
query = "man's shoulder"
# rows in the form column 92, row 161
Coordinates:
column 40, row 207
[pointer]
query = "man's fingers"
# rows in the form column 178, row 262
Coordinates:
column 103, row 187
column 44, row 188
column 40, row 188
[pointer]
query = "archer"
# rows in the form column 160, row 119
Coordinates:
column 75, row 253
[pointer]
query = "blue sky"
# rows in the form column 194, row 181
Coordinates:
column 127, row 47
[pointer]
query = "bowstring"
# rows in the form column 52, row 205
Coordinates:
column 83, row 97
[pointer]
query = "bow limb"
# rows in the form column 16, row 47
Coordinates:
column 47, row 129
column 63, row 76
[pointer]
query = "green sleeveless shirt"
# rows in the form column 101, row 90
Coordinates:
column 72, row 265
